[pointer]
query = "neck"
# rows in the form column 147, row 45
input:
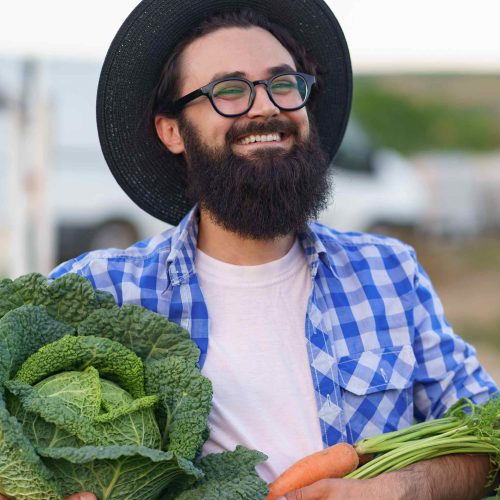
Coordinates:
column 232, row 248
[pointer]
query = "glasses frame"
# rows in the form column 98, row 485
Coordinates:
column 207, row 91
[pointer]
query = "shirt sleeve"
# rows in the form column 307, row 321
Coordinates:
column 447, row 366
column 70, row 266
column 98, row 270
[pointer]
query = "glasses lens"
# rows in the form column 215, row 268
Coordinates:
column 289, row 91
column 232, row 97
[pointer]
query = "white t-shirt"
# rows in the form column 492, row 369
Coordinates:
column 257, row 359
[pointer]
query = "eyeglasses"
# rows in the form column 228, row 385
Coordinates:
column 234, row 96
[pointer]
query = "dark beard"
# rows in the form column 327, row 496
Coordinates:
column 269, row 194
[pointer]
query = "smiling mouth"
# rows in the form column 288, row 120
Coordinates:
column 260, row 138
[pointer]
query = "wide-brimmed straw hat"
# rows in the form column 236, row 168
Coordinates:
column 150, row 175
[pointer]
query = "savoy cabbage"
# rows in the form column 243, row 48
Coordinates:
column 96, row 397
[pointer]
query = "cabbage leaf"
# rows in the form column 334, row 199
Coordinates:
column 96, row 397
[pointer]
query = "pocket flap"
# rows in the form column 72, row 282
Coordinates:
column 377, row 370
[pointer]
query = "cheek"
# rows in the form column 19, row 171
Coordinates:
column 301, row 118
column 211, row 127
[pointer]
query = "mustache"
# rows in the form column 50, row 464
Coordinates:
column 268, row 127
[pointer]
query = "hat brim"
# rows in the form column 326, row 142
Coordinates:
column 151, row 176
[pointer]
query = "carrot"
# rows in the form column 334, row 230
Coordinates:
column 335, row 461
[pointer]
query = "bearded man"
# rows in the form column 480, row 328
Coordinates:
column 222, row 118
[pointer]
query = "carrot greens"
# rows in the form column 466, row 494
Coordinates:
column 465, row 428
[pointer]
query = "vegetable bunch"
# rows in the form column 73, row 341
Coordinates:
column 96, row 397
column 465, row 428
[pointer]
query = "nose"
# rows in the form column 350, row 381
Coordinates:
column 262, row 105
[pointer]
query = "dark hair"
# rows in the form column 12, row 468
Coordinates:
column 167, row 89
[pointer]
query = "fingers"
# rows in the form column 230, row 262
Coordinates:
column 295, row 495
column 320, row 490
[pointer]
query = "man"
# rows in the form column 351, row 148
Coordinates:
column 310, row 336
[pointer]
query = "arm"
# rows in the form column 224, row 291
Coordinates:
column 447, row 366
column 455, row 477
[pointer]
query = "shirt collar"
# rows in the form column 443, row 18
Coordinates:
column 314, row 249
column 180, row 261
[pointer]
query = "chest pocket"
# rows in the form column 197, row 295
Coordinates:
column 377, row 390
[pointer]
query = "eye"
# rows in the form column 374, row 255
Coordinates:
column 282, row 86
column 231, row 90
column 228, row 92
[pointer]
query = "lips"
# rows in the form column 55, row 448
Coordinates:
column 272, row 131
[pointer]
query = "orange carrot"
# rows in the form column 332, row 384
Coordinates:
column 335, row 461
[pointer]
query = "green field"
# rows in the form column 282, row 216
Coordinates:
column 414, row 113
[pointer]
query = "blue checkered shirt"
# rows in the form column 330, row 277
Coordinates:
column 381, row 352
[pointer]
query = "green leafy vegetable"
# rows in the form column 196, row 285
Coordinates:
column 228, row 475
column 465, row 428
column 22, row 472
column 74, row 353
column 185, row 401
column 22, row 332
column 105, row 399
column 126, row 471
column 127, row 324
column 68, row 299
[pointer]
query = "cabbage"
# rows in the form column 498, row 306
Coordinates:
column 96, row 397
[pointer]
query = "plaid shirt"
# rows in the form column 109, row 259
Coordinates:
column 381, row 352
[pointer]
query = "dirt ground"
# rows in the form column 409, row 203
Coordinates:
column 489, row 358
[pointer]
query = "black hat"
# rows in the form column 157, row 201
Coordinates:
column 149, row 174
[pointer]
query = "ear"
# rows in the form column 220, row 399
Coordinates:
column 168, row 132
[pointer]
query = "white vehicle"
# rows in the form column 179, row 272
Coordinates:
column 91, row 209
column 375, row 190
column 86, row 207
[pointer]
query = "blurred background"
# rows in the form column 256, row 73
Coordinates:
column 420, row 160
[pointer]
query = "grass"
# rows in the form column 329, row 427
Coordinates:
column 413, row 118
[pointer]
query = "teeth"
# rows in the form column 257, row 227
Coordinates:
column 260, row 138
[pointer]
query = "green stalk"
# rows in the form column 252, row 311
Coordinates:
column 390, row 440
column 466, row 428
column 424, row 449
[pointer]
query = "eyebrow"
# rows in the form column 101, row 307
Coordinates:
column 241, row 74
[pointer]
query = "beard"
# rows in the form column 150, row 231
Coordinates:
column 264, row 195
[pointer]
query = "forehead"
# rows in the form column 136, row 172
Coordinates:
column 252, row 51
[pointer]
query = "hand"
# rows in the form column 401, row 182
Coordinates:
column 76, row 496
column 379, row 488
column 441, row 478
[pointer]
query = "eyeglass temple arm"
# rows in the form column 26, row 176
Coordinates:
column 180, row 103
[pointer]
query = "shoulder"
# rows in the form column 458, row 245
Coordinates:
column 358, row 247
column 112, row 269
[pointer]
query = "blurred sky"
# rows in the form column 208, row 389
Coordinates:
column 383, row 35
